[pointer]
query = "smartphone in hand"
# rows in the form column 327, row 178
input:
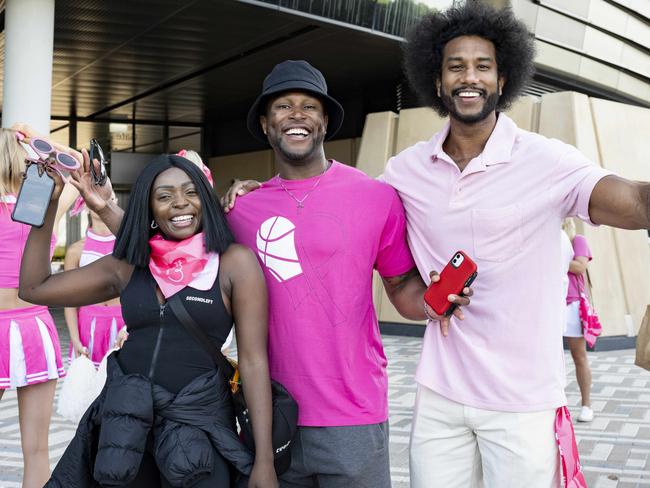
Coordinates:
column 458, row 274
column 33, row 197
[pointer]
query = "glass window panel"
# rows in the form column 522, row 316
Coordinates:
column 184, row 138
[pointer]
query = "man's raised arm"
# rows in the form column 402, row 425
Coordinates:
column 620, row 203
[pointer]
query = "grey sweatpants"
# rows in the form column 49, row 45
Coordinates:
column 339, row 457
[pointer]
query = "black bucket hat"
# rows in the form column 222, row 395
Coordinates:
column 299, row 76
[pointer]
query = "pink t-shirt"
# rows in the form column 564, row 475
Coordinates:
column 324, row 341
column 577, row 282
column 13, row 236
column 505, row 210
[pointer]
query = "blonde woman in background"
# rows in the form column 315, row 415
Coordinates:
column 581, row 255
column 30, row 354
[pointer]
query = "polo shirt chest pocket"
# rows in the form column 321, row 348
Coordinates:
column 497, row 232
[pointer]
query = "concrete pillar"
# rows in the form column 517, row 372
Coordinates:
column 525, row 113
column 377, row 142
column 29, row 37
column 415, row 125
column 621, row 132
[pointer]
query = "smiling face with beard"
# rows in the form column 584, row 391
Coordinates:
column 489, row 106
column 295, row 124
column 470, row 84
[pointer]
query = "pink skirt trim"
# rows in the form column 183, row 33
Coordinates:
column 98, row 329
column 30, row 352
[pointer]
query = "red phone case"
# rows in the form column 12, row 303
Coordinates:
column 453, row 278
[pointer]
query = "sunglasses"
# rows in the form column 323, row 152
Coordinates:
column 97, row 153
column 45, row 152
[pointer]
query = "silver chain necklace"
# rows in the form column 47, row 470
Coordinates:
column 299, row 201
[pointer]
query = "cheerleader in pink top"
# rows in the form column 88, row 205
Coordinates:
column 29, row 343
column 30, row 354
column 94, row 329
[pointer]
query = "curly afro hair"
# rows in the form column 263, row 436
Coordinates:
column 514, row 46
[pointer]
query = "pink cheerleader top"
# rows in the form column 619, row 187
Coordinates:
column 13, row 236
column 96, row 246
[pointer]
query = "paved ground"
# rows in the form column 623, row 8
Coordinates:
column 614, row 448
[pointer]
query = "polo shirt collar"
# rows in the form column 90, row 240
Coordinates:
column 499, row 146
column 438, row 141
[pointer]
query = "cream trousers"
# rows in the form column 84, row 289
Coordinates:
column 456, row 446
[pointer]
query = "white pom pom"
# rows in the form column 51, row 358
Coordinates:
column 78, row 389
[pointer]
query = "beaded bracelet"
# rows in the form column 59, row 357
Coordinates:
column 426, row 312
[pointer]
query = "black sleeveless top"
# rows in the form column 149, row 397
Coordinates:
column 159, row 347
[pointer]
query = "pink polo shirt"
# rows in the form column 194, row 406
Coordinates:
column 505, row 210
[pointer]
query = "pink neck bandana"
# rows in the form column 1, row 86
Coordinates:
column 174, row 264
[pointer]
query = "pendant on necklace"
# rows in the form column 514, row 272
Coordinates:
column 300, row 205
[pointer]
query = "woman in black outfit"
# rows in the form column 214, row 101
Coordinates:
column 164, row 416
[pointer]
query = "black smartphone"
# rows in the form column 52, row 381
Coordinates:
column 33, row 197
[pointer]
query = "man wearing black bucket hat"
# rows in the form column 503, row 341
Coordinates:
column 319, row 229
column 296, row 77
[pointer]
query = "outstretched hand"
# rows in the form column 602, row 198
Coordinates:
column 237, row 189
column 95, row 196
column 458, row 300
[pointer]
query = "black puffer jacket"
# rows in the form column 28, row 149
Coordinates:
column 110, row 441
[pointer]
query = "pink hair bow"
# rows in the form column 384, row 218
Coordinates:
column 206, row 171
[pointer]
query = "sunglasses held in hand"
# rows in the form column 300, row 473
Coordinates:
column 44, row 152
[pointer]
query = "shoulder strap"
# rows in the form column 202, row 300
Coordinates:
column 199, row 335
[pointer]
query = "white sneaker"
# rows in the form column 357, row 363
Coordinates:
column 586, row 414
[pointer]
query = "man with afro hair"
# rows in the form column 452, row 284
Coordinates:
column 489, row 390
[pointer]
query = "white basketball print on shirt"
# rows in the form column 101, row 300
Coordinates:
column 276, row 248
